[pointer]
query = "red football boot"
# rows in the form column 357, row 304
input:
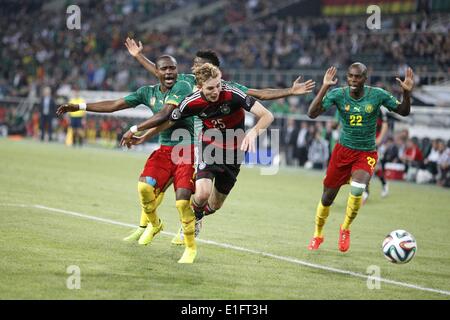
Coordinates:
column 344, row 240
column 315, row 243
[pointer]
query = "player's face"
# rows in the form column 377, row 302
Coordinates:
column 211, row 88
column 167, row 72
column 356, row 79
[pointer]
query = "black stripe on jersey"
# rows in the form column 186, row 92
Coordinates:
column 194, row 96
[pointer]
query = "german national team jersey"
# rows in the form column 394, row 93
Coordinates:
column 190, row 78
column 228, row 112
column 358, row 118
column 152, row 97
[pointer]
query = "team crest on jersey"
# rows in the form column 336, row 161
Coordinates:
column 152, row 101
column 176, row 114
column 347, row 107
column 225, row 109
column 202, row 115
column 369, row 108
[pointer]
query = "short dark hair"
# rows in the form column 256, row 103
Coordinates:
column 165, row 56
column 360, row 66
column 210, row 56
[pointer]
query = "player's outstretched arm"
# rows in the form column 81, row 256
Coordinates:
column 316, row 108
column 154, row 121
column 101, row 107
column 407, row 85
column 136, row 51
column 265, row 118
column 135, row 140
column 298, row 88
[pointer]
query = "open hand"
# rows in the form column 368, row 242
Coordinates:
column 126, row 139
column 329, row 79
column 299, row 87
column 249, row 142
column 132, row 47
column 408, row 83
column 68, row 107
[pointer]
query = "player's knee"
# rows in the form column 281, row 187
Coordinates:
column 201, row 197
column 357, row 188
column 327, row 200
column 183, row 207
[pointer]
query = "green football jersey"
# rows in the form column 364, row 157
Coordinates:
column 152, row 97
column 358, row 118
column 190, row 78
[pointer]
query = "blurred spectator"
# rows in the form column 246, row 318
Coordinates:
column 443, row 163
column 279, row 107
column 431, row 160
column 3, row 122
column 301, row 152
column 75, row 134
column 318, row 152
column 15, row 123
column 412, row 159
column 47, row 112
column 391, row 152
column 289, row 134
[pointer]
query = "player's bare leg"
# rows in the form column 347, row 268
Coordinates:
column 360, row 179
column 322, row 212
column 215, row 201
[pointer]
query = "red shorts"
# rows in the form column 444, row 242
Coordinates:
column 161, row 166
column 344, row 162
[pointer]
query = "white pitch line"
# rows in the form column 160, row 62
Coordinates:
column 236, row 248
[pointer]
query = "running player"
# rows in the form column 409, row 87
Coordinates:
column 355, row 156
column 222, row 111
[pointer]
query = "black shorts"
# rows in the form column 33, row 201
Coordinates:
column 224, row 175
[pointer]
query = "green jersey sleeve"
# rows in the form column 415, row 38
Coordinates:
column 388, row 100
column 140, row 96
column 237, row 85
column 330, row 98
column 180, row 90
column 188, row 77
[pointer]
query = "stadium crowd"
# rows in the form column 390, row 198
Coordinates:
column 94, row 57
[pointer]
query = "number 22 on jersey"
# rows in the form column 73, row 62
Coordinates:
column 355, row 120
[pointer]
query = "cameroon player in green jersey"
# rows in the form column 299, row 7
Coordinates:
column 354, row 157
column 159, row 169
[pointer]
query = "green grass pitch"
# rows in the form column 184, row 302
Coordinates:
column 271, row 216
